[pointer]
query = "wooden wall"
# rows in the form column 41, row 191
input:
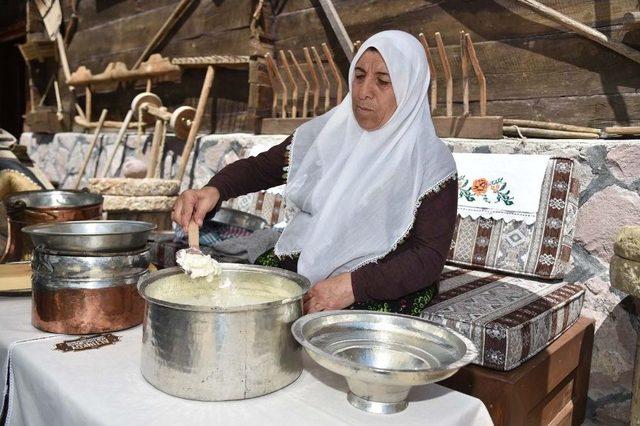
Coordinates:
column 534, row 69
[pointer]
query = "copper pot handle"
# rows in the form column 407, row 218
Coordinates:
column 22, row 206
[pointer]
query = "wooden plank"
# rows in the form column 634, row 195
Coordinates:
column 477, row 18
column 280, row 126
column 468, row 127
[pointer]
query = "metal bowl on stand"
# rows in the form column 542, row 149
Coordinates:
column 382, row 355
column 100, row 236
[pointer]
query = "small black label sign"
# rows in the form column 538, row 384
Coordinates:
column 87, row 342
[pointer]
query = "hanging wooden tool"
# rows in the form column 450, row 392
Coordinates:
column 334, row 70
column 52, row 16
column 292, row 82
column 305, row 96
column 314, row 80
column 162, row 33
column 92, row 145
column 465, row 125
column 582, row 29
column 338, row 28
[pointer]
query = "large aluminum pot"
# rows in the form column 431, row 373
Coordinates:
column 215, row 354
column 35, row 207
column 89, row 293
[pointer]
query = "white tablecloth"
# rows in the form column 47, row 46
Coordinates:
column 105, row 386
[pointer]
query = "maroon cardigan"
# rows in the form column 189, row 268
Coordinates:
column 415, row 265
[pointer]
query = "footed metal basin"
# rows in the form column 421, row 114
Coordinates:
column 382, row 355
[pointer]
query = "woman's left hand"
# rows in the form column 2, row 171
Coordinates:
column 332, row 293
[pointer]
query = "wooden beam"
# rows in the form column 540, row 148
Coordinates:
column 582, row 29
column 338, row 28
column 468, row 127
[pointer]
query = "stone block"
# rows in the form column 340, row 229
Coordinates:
column 624, row 162
column 602, row 215
column 134, row 187
column 627, row 244
column 138, row 204
column 625, row 275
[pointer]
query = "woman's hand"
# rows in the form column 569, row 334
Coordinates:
column 194, row 204
column 332, row 293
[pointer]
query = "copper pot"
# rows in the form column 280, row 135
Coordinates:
column 87, row 293
column 34, row 207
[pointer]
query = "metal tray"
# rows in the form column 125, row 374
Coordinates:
column 103, row 236
column 382, row 355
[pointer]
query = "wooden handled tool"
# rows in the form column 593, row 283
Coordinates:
column 119, row 139
column 482, row 81
column 305, row 96
column 274, row 69
column 325, row 79
column 197, row 120
column 314, row 79
column 193, row 235
column 292, row 81
column 335, row 72
column 87, row 156
column 164, row 30
column 447, row 73
column 433, row 72
column 464, row 62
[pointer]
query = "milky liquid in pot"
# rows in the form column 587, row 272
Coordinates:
column 226, row 290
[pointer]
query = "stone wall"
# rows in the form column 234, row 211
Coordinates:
column 609, row 174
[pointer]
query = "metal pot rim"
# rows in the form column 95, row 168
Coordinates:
column 38, row 229
column 17, row 196
column 297, row 331
column 300, row 280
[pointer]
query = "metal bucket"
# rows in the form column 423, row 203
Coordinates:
column 215, row 354
column 87, row 293
column 35, row 207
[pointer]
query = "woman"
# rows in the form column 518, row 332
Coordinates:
column 372, row 189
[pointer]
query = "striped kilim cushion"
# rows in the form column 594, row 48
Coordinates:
column 264, row 204
column 542, row 249
column 510, row 319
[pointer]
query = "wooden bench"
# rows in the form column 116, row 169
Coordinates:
column 549, row 389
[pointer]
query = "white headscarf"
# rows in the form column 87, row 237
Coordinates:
column 355, row 192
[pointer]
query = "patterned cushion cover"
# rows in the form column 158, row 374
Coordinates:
column 264, row 204
column 541, row 249
column 510, row 319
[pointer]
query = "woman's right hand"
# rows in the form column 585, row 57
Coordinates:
column 194, row 204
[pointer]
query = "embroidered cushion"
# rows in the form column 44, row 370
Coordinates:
column 541, row 249
column 510, row 319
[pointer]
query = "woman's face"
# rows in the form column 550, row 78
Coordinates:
column 373, row 99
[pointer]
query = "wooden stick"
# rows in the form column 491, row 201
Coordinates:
column 482, row 81
column 305, row 97
column 164, row 30
column 447, row 73
column 80, row 112
column 148, row 89
column 197, row 120
column 103, row 116
column 338, row 28
column 271, row 63
column 314, row 78
column 87, row 103
column 619, row 130
column 292, row 81
column 433, row 72
column 58, row 101
column 546, row 133
column 323, row 74
column 465, row 73
column 582, row 29
column 62, row 51
column 336, row 73
column 157, row 165
column 275, row 88
column 119, row 139
column 549, row 125
column 193, row 235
